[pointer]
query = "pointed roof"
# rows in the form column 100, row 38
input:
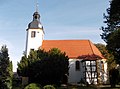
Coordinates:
column 73, row 48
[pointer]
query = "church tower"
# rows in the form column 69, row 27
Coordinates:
column 35, row 33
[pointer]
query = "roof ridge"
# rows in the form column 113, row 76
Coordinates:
column 91, row 47
column 68, row 40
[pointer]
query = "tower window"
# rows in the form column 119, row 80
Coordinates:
column 77, row 65
column 33, row 34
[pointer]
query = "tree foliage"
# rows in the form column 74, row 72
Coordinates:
column 107, row 55
column 114, row 77
column 113, row 44
column 23, row 67
column 6, row 72
column 44, row 67
column 112, row 29
column 33, row 86
column 49, row 87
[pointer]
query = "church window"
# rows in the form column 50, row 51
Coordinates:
column 33, row 34
column 77, row 65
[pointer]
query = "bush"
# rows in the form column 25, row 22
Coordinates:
column 33, row 86
column 48, row 87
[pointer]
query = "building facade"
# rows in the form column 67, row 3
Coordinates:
column 86, row 63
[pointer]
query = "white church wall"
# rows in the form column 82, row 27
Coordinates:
column 102, row 70
column 105, row 71
column 75, row 75
column 34, row 42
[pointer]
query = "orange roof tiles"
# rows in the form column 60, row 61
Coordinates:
column 73, row 48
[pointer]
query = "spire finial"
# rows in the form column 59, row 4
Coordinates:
column 37, row 4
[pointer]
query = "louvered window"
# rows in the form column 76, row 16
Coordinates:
column 33, row 34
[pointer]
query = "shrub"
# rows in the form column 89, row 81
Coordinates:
column 33, row 86
column 48, row 87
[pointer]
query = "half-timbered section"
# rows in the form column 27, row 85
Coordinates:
column 90, row 71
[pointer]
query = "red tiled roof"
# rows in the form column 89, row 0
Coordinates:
column 73, row 48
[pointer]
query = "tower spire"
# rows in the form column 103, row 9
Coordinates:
column 36, row 4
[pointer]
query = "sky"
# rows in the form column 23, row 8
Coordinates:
column 61, row 19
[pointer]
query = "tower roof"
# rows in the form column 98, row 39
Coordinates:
column 35, row 24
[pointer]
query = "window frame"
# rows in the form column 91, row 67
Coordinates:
column 33, row 34
column 77, row 65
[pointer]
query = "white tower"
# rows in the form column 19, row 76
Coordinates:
column 35, row 34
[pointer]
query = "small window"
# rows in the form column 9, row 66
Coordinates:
column 77, row 65
column 33, row 34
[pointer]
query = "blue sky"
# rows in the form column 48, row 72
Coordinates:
column 62, row 19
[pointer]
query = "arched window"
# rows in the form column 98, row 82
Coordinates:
column 77, row 65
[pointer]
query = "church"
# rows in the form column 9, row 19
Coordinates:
column 86, row 63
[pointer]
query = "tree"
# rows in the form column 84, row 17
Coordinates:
column 6, row 72
column 22, row 69
column 26, row 62
column 107, row 55
column 33, row 86
column 114, row 77
column 45, row 67
column 113, row 44
column 112, row 25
